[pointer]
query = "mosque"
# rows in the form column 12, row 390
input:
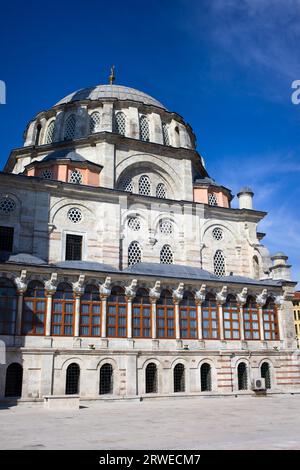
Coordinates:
column 124, row 269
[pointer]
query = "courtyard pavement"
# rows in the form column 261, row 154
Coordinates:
column 244, row 422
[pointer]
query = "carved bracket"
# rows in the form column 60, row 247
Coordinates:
column 222, row 295
column 154, row 292
column 105, row 288
column 21, row 282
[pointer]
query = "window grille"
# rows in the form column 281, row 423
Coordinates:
column 106, row 379
column 166, row 226
column 14, row 380
column 50, row 133
column 120, row 123
column 219, row 263
column 134, row 254
column 179, row 378
column 166, row 255
column 266, row 374
column 165, row 132
column 6, row 239
column 73, row 247
column 126, row 185
column 7, row 205
column 212, row 199
column 70, row 127
column 205, row 375
column 161, row 191
column 217, row 233
column 75, row 215
column 144, row 129
column 242, row 376
column 144, row 185
column 94, row 122
column 134, row 224
column 151, row 378
column 47, row 174
column 72, row 379
column 90, row 312
column 75, row 177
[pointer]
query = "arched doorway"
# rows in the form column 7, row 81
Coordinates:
column 266, row 374
column 242, row 376
column 72, row 379
column 14, row 380
column 205, row 374
column 179, row 378
column 151, row 378
column 106, row 379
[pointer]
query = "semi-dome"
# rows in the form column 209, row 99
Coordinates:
column 118, row 92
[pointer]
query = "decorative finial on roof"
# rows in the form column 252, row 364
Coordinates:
column 112, row 76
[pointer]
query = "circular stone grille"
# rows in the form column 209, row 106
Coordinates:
column 47, row 174
column 166, row 226
column 75, row 215
column 75, row 177
column 134, row 223
column 7, row 205
column 217, row 233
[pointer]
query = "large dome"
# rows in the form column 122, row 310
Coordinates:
column 118, row 92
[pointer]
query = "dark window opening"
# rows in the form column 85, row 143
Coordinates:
column 72, row 379
column 179, row 379
column 266, row 374
column 205, row 378
column 106, row 379
column 151, row 378
column 73, row 247
column 6, row 239
column 242, row 376
column 14, row 379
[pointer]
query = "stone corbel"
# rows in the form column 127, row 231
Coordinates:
column 130, row 291
column 222, row 295
column 242, row 296
column 200, row 294
column 105, row 288
column 78, row 287
column 154, row 292
column 261, row 298
column 21, row 282
column 279, row 299
column 51, row 284
column 178, row 293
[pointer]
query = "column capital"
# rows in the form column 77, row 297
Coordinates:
column 241, row 297
column 51, row 285
column 221, row 296
column 130, row 291
column 178, row 293
column 200, row 295
column 78, row 287
column 21, row 283
column 154, row 293
column 105, row 288
column 262, row 298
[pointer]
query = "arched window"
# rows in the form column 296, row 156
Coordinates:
column 126, row 184
column 166, row 255
column 266, row 374
column 166, row 226
column 117, row 314
column 231, row 318
column 270, row 320
column 90, row 312
column 72, row 379
column 165, row 133
column 120, row 123
column 210, row 318
column 134, row 253
column 165, row 315
column 219, row 263
column 251, row 319
column 151, row 378
column 75, row 177
column 179, row 378
column 161, row 191
column 144, row 185
column 34, row 309
column 38, row 134
column 106, row 379
column 212, row 199
column 63, row 311
column 205, row 376
column 141, row 315
column 144, row 129
column 242, row 376
column 14, row 380
column 70, row 127
column 94, row 122
column 8, row 307
column 255, row 267
column 188, row 316
column 50, row 132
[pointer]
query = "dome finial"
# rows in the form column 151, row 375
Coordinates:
column 112, row 76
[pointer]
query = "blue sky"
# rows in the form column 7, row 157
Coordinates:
column 225, row 65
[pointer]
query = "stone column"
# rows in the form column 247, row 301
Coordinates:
column 154, row 295
column 221, row 324
column 261, row 323
column 177, row 298
column 78, row 290
column 105, row 291
column 199, row 299
column 130, row 292
column 50, row 289
column 241, row 317
column 21, row 285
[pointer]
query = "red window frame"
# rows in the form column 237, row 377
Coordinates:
column 116, row 316
column 63, row 297
column 251, row 332
column 270, row 321
column 141, row 315
column 210, row 318
column 165, row 316
column 231, row 319
column 188, row 320
column 89, row 318
column 35, row 312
